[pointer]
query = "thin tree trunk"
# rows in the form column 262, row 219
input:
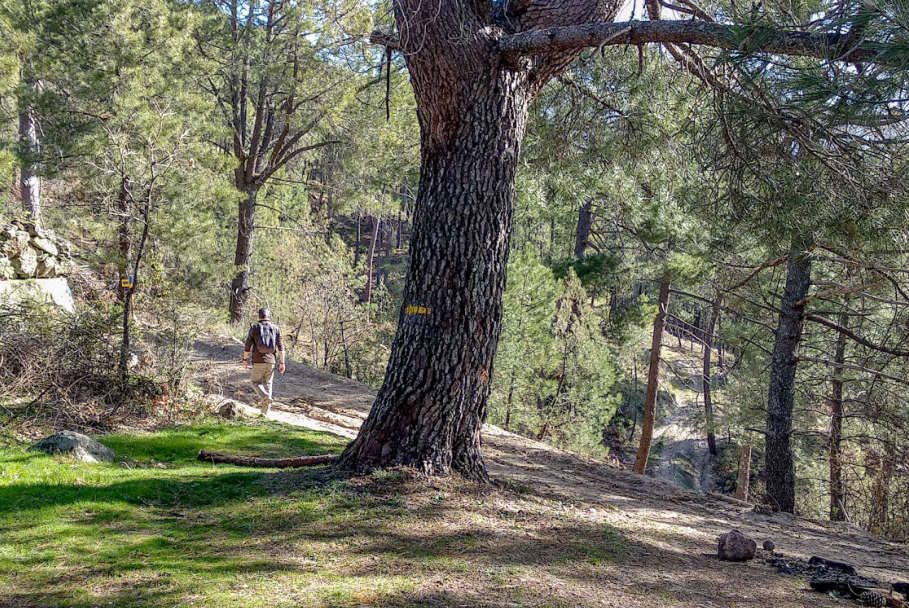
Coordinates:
column 123, row 367
column 124, row 241
column 880, row 493
column 653, row 380
column 370, row 259
column 239, row 286
column 359, row 241
column 779, row 466
column 743, row 483
column 347, row 371
column 837, row 491
column 707, row 378
column 30, row 148
column 582, row 232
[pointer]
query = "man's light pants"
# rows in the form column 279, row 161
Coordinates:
column 261, row 376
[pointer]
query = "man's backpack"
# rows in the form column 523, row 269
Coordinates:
column 266, row 338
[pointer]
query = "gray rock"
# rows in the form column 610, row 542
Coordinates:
column 47, row 267
column 79, row 446
column 735, row 547
column 55, row 292
column 26, row 264
column 16, row 243
column 45, row 244
column 769, row 545
column 228, row 410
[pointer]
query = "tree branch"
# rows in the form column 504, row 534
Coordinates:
column 856, row 337
column 830, row 46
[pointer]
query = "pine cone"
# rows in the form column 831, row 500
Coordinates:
column 870, row 598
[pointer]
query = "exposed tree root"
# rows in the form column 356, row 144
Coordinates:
column 276, row 463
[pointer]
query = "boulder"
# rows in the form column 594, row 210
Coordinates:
column 26, row 263
column 55, row 292
column 769, row 545
column 229, row 410
column 45, row 244
column 735, row 547
column 79, row 446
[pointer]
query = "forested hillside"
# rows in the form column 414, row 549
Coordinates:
column 670, row 240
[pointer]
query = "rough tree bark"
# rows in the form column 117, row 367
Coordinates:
column 246, row 227
column 472, row 108
column 707, row 378
column 653, row 380
column 582, row 233
column 779, row 467
column 837, row 491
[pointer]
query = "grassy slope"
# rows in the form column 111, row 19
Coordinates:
column 160, row 528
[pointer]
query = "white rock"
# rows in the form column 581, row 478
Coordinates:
column 45, row 245
column 55, row 292
column 26, row 263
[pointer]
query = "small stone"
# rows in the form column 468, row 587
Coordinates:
column 79, row 446
column 769, row 545
column 735, row 547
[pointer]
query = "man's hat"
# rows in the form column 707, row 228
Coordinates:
column 264, row 313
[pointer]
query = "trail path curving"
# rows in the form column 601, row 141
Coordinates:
column 682, row 525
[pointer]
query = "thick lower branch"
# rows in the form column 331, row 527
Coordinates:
column 747, row 39
column 272, row 463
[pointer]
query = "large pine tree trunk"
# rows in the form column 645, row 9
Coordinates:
column 432, row 403
column 29, row 144
column 472, row 104
column 837, row 491
column 779, row 466
column 653, row 380
column 239, row 286
column 707, row 378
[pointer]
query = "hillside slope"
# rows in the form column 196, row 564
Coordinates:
column 674, row 531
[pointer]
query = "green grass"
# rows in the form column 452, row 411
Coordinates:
column 158, row 528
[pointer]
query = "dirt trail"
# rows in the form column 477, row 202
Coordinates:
column 683, row 525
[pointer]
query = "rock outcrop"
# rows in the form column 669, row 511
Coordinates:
column 32, row 264
column 27, row 251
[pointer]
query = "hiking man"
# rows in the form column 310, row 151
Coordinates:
column 263, row 340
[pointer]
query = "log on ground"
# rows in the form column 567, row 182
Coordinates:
column 276, row 463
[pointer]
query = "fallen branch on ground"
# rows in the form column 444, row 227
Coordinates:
column 276, row 463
